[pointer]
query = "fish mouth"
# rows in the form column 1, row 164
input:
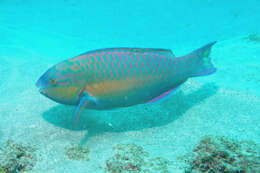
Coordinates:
column 39, row 85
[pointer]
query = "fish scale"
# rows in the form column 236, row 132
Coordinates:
column 120, row 77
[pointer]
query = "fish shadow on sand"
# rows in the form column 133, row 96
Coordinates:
column 131, row 118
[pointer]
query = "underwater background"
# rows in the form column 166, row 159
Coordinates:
column 210, row 124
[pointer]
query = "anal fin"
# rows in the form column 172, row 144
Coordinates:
column 165, row 95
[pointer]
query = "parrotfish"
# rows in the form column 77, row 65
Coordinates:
column 110, row 78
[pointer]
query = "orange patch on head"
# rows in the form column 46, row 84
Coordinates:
column 60, row 93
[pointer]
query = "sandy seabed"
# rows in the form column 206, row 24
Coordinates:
column 226, row 103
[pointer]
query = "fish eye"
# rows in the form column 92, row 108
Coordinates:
column 53, row 82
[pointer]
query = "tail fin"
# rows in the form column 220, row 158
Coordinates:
column 203, row 65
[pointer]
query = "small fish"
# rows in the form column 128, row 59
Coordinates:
column 110, row 78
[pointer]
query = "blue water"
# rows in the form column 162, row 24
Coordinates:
column 38, row 34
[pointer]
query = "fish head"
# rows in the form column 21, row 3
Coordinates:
column 60, row 84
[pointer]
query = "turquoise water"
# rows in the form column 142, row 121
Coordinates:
column 210, row 124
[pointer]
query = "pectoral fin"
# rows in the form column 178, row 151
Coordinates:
column 84, row 101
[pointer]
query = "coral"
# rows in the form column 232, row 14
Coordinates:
column 157, row 164
column 254, row 37
column 131, row 158
column 77, row 152
column 17, row 157
column 220, row 154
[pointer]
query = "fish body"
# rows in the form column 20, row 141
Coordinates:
column 119, row 77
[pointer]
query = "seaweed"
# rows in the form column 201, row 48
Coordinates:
column 77, row 152
column 132, row 158
column 220, row 154
column 17, row 157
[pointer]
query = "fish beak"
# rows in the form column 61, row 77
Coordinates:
column 41, row 85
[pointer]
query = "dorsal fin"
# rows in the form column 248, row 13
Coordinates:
column 134, row 50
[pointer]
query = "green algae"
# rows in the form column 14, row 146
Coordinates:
column 77, row 152
column 2, row 170
column 220, row 154
column 132, row 158
column 17, row 157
